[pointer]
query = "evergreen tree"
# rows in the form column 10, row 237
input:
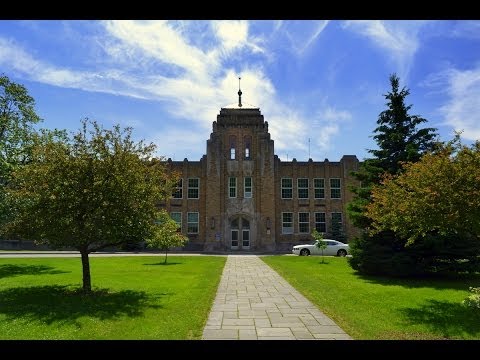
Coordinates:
column 336, row 232
column 399, row 140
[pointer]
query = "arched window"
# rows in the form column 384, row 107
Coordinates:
column 248, row 145
column 232, row 146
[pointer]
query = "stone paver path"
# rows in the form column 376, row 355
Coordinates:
column 254, row 302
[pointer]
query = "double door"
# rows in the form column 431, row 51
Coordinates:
column 240, row 234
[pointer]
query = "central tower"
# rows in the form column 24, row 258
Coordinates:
column 240, row 193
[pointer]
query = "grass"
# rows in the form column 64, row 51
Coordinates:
column 369, row 307
column 134, row 297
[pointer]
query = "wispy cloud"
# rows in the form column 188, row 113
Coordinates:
column 398, row 38
column 302, row 34
column 462, row 110
column 466, row 29
column 187, row 66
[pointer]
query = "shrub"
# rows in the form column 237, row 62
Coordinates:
column 473, row 300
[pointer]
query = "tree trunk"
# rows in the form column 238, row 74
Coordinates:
column 166, row 252
column 87, row 284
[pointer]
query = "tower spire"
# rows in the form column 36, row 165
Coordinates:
column 239, row 93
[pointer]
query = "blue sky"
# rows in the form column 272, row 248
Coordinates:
column 318, row 80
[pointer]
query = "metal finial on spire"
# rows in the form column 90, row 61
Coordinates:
column 239, row 93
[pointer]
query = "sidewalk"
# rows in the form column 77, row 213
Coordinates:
column 253, row 302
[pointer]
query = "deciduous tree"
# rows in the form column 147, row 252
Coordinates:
column 97, row 190
column 434, row 203
column 166, row 234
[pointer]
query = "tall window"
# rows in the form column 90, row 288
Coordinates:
column 287, row 190
column 304, row 222
column 247, row 189
column 248, row 144
column 319, row 188
column 233, row 146
column 287, row 223
column 320, row 222
column 177, row 216
column 302, row 188
column 193, row 188
column 232, row 187
column 335, row 189
column 178, row 193
column 192, row 222
column 337, row 218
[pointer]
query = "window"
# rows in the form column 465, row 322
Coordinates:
column 287, row 188
column 319, row 188
column 304, row 222
column 233, row 141
column 192, row 222
column 177, row 216
column 247, row 190
column 337, row 218
column 287, row 223
column 302, row 188
column 193, row 188
column 248, row 144
column 178, row 193
column 320, row 223
column 335, row 188
column 232, row 187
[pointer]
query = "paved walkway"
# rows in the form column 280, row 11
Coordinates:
column 254, row 302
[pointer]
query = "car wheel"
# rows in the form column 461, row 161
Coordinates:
column 304, row 252
column 341, row 252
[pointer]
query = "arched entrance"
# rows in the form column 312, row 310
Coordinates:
column 240, row 233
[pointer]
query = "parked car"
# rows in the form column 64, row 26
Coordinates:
column 334, row 248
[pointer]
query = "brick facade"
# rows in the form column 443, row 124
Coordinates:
column 240, row 204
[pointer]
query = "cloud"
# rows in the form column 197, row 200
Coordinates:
column 327, row 125
column 399, row 39
column 462, row 110
column 302, row 34
column 186, row 65
column 466, row 29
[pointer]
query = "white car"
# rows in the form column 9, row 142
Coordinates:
column 334, row 248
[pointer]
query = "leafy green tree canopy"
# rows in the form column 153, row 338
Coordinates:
column 439, row 194
column 17, row 118
column 18, row 136
column 99, row 189
column 166, row 234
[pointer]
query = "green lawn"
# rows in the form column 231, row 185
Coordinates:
column 136, row 297
column 368, row 307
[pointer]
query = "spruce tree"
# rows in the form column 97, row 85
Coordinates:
column 399, row 139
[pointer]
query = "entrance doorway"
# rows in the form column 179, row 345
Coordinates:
column 240, row 226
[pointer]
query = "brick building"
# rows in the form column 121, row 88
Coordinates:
column 241, row 196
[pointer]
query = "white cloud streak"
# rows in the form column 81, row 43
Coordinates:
column 302, row 34
column 462, row 110
column 398, row 38
column 167, row 61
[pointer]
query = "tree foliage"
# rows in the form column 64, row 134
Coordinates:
column 166, row 234
column 18, row 136
column 17, row 118
column 337, row 232
column 435, row 202
column 96, row 190
column 320, row 244
column 399, row 140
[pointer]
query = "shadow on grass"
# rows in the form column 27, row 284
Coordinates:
column 65, row 305
column 168, row 263
column 9, row 270
column 323, row 262
column 438, row 282
column 448, row 319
